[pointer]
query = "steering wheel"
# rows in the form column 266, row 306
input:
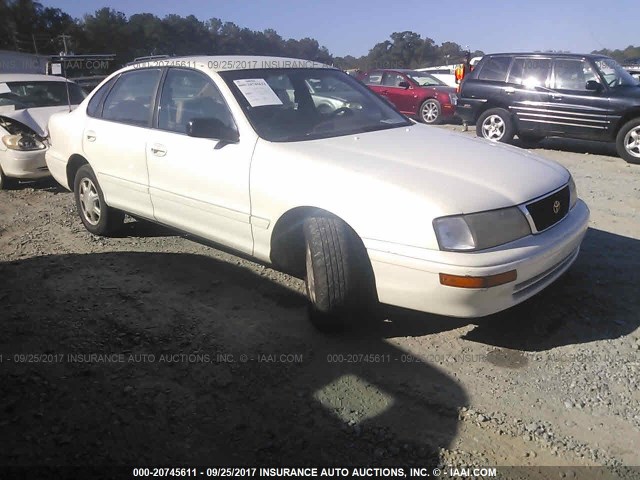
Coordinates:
column 612, row 82
column 342, row 111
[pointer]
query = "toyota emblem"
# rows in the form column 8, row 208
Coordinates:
column 556, row 206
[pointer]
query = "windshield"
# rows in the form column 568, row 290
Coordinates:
column 424, row 79
column 614, row 75
column 22, row 95
column 286, row 105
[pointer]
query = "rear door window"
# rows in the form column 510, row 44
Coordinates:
column 530, row 72
column 495, row 68
column 131, row 98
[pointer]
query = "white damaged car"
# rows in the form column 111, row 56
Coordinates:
column 363, row 203
column 26, row 103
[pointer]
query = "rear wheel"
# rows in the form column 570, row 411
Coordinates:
column 96, row 215
column 496, row 125
column 628, row 141
column 430, row 111
column 339, row 278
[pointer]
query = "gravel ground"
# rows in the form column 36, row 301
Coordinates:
column 153, row 349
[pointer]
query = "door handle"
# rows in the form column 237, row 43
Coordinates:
column 158, row 150
column 509, row 90
column 556, row 97
column 91, row 135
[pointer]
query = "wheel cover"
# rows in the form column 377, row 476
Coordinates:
column 311, row 281
column 632, row 142
column 430, row 112
column 493, row 128
column 89, row 201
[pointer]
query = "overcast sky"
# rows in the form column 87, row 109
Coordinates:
column 352, row 27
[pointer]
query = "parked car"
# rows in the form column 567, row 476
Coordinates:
column 416, row 94
column 536, row 95
column 26, row 103
column 363, row 203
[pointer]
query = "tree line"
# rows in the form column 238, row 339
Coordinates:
column 28, row 26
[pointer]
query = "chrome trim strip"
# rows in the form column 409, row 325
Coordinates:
column 563, row 123
column 560, row 111
column 560, row 116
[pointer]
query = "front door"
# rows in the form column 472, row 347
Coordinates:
column 199, row 185
column 578, row 112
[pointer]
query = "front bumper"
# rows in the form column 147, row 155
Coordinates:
column 411, row 279
column 25, row 165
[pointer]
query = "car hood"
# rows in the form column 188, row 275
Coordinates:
column 34, row 118
column 626, row 91
column 454, row 173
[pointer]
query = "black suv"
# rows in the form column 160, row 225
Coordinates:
column 535, row 95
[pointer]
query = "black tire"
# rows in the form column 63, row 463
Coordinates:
column 496, row 125
column 339, row 278
column 430, row 112
column 628, row 141
column 96, row 215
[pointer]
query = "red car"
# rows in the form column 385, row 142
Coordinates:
column 416, row 94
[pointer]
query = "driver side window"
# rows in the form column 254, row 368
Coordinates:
column 392, row 79
column 186, row 95
column 572, row 74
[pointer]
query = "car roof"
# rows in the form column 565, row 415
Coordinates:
column 546, row 54
column 218, row 63
column 30, row 77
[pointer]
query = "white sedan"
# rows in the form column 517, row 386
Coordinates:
column 363, row 203
column 26, row 103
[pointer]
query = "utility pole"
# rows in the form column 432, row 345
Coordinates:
column 64, row 41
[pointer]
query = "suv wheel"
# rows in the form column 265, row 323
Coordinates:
column 628, row 141
column 96, row 215
column 496, row 125
column 430, row 111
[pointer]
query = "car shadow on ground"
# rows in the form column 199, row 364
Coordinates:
column 572, row 145
column 237, row 376
column 596, row 299
column 140, row 228
column 47, row 184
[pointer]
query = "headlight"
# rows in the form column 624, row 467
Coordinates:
column 23, row 143
column 573, row 193
column 477, row 231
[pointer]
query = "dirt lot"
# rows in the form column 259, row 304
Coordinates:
column 154, row 349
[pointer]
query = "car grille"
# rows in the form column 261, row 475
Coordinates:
column 549, row 210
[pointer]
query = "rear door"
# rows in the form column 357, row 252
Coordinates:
column 575, row 111
column 528, row 94
column 401, row 96
column 115, row 137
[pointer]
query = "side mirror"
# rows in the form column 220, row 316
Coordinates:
column 593, row 86
column 404, row 84
column 212, row 128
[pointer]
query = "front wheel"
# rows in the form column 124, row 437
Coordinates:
column 339, row 278
column 628, row 141
column 430, row 111
column 496, row 125
column 96, row 215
